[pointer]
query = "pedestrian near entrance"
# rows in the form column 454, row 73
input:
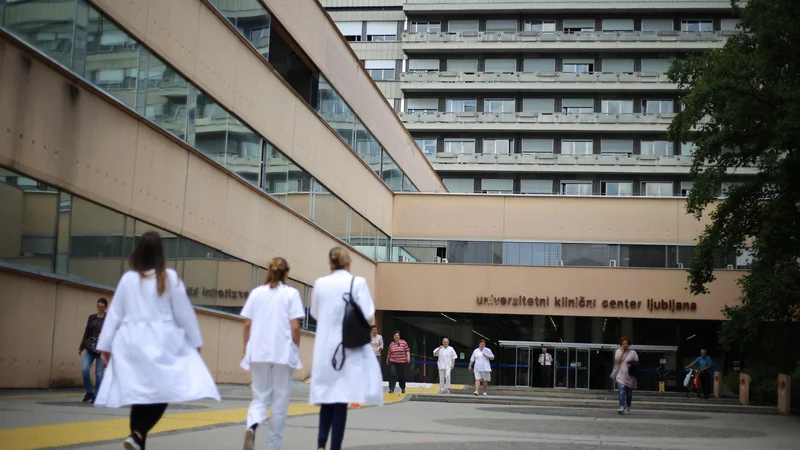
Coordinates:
column 447, row 361
column 397, row 357
column 483, row 369
column 624, row 360
column 349, row 375
column 546, row 363
column 151, row 343
column 704, row 364
column 376, row 341
column 271, row 351
column 88, row 349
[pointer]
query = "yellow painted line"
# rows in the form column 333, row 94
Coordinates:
column 17, row 397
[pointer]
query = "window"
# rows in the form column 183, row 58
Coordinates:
column 578, row 65
column 726, row 187
column 697, row 25
column 729, row 24
column 460, row 185
column 538, row 105
column 578, row 26
column 541, row 187
column 539, row 65
column 48, row 26
column 643, row 255
column 380, row 69
column 501, row 25
column 617, row 24
column 616, row 188
column 462, row 65
column 653, row 25
column 617, row 66
column 422, row 105
column 428, row 146
column 617, row 107
column 577, row 105
column 109, row 64
column 501, row 66
column 687, row 148
column 459, row 146
column 166, row 94
column 461, row 105
column 423, row 65
column 455, row 26
column 655, row 65
column 686, row 187
column 381, row 31
column 502, row 106
column 624, row 146
column 576, row 188
column 495, row 186
column 391, row 173
column 425, row 27
column 498, row 146
column 540, row 26
column 657, row 148
column 657, row 106
column 537, row 146
column 577, row 147
column 350, row 30
column 657, row 189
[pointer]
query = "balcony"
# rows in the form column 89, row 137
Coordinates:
column 523, row 121
column 535, row 81
column 484, row 6
column 487, row 41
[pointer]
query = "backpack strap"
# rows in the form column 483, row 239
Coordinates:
column 347, row 298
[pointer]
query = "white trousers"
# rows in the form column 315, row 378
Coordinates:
column 444, row 379
column 272, row 386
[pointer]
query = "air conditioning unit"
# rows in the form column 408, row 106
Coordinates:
column 444, row 260
column 403, row 258
column 210, row 255
column 680, row 265
column 730, row 266
column 612, row 263
column 559, row 263
column 437, row 259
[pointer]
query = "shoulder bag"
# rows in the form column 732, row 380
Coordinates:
column 355, row 328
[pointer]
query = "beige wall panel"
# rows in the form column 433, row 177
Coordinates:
column 206, row 194
column 366, row 268
column 217, row 51
column 209, row 329
column 13, row 203
column 455, row 288
column 280, row 125
column 306, row 356
column 102, row 271
column 451, row 216
column 310, row 133
column 241, row 224
column 273, row 227
column 230, row 352
column 300, row 202
column 26, row 305
column 172, row 31
column 40, row 211
column 132, row 14
column 159, row 185
column 299, row 242
column 253, row 99
column 73, row 308
column 89, row 218
column 380, row 205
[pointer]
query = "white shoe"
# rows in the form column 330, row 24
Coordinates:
column 627, row 410
column 447, row 391
column 485, row 394
column 475, row 393
column 249, row 439
column 130, row 444
column 621, row 411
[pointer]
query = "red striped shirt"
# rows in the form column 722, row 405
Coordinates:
column 398, row 352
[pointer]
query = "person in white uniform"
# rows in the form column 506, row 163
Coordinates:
column 151, row 343
column 271, row 351
column 546, row 365
column 447, row 361
column 483, row 369
column 339, row 378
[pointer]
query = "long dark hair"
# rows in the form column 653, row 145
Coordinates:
column 278, row 270
column 149, row 255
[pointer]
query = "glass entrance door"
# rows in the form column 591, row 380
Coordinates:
column 581, row 366
column 561, row 374
column 522, row 374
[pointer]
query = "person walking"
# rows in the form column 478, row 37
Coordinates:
column 624, row 360
column 704, row 364
column 376, row 341
column 272, row 315
column 348, row 375
column 89, row 345
column 151, row 343
column 397, row 357
column 546, row 366
column 447, row 362
column 483, row 368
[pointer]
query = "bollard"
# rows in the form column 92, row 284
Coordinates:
column 717, row 384
column 784, row 394
column 744, row 389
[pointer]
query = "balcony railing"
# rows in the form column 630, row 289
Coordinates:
column 535, row 77
column 550, row 159
column 537, row 118
column 592, row 36
column 720, row 3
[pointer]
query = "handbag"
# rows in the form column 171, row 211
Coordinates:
column 355, row 327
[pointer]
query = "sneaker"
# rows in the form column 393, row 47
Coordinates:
column 627, row 410
column 447, row 391
column 391, row 391
column 475, row 393
column 621, row 411
column 87, row 398
column 403, row 391
column 249, row 439
column 485, row 394
column 131, row 443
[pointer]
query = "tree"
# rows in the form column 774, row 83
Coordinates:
column 742, row 110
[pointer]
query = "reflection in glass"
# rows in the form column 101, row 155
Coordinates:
column 363, row 235
column 62, row 240
column 335, row 112
column 234, row 281
column 341, row 219
column 165, row 94
column 276, row 175
column 112, row 59
column 96, row 242
column 323, row 206
column 391, row 173
column 243, row 152
column 211, row 125
column 250, row 18
column 46, row 25
column 368, row 147
column 382, row 251
column 300, row 200
column 643, row 256
column 200, row 267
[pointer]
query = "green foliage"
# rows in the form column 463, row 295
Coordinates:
column 731, row 382
column 742, row 109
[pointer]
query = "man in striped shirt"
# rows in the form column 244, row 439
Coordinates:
column 397, row 357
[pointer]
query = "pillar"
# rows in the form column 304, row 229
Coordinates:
column 744, row 389
column 717, row 384
column 784, row 394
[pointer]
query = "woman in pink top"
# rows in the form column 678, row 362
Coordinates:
column 624, row 357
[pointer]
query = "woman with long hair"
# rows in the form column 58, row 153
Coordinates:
column 151, row 343
column 340, row 377
column 271, row 351
column 624, row 360
column 89, row 345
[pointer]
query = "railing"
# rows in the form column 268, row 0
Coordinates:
column 707, row 3
column 537, row 118
column 593, row 36
column 550, row 159
column 534, row 77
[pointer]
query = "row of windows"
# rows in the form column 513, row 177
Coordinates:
column 116, row 63
column 555, row 254
column 565, row 146
column 533, row 65
column 540, row 105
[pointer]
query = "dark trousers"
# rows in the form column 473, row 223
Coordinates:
column 145, row 417
column 332, row 417
column 706, row 382
column 397, row 371
column 547, row 376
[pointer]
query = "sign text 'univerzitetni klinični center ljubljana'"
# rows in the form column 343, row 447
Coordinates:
column 650, row 304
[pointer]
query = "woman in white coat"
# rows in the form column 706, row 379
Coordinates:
column 271, row 351
column 359, row 378
column 151, row 343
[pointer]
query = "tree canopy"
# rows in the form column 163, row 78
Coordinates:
column 742, row 110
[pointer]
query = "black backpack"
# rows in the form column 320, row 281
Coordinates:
column 355, row 328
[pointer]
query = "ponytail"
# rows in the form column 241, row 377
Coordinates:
column 278, row 270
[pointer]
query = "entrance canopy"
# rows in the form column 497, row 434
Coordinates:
column 576, row 345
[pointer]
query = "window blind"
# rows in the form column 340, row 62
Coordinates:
column 462, row 25
column 501, row 65
column 379, row 64
column 501, row 25
column 536, row 186
column 577, row 103
column 423, row 64
column 460, row 185
column 422, row 103
column 655, row 65
column 497, row 185
column 538, row 105
column 617, row 65
column 729, row 24
column 382, row 28
column 658, row 25
column 617, row 24
column 537, row 146
column 462, row 65
column 616, row 146
column 539, row 65
column 579, row 23
column 349, row 28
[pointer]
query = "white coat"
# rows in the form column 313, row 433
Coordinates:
column 271, row 312
column 153, row 343
column 360, row 379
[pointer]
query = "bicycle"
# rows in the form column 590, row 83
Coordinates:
column 692, row 382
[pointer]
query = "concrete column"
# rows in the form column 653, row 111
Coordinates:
column 717, row 384
column 784, row 394
column 744, row 389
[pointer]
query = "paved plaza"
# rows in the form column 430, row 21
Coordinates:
column 57, row 419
